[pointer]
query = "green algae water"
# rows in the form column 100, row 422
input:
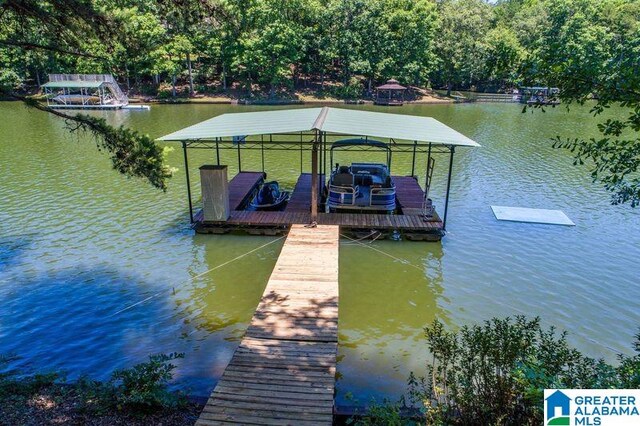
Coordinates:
column 98, row 271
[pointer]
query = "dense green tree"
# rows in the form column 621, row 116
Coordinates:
column 67, row 30
column 409, row 33
column 269, row 50
column 459, row 41
column 587, row 48
column 503, row 56
column 592, row 49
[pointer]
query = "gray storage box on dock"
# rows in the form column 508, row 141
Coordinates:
column 215, row 193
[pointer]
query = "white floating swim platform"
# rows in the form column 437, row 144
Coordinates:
column 522, row 214
column 144, row 107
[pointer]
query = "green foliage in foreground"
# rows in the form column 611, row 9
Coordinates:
column 133, row 154
column 495, row 373
column 138, row 390
column 12, row 386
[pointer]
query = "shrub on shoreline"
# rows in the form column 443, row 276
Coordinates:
column 136, row 394
column 495, row 373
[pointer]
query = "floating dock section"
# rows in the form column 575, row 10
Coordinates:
column 411, row 219
column 283, row 372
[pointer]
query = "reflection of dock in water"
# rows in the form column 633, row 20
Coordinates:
column 283, row 372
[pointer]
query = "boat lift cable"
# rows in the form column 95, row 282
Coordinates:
column 369, row 237
column 403, row 261
column 196, row 276
column 407, row 262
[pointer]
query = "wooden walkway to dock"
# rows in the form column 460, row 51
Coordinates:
column 283, row 372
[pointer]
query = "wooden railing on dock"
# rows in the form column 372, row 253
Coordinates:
column 283, row 372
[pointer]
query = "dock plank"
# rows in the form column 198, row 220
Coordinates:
column 283, row 371
column 409, row 196
column 241, row 186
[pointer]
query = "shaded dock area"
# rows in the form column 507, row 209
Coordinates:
column 319, row 131
column 411, row 219
column 283, row 371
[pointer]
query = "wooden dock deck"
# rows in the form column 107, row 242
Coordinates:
column 409, row 196
column 300, row 201
column 283, row 372
column 241, row 187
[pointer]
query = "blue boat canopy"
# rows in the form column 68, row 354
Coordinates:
column 330, row 120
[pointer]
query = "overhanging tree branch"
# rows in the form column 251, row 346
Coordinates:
column 132, row 154
column 51, row 48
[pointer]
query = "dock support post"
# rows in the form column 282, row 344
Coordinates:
column 262, row 149
column 239, row 160
column 321, row 160
column 314, row 179
column 413, row 160
column 446, row 200
column 186, row 172
column 427, row 184
column 218, row 151
column 324, row 169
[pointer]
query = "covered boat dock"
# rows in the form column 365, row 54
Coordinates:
column 84, row 91
column 313, row 130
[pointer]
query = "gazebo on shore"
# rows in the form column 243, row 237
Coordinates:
column 390, row 93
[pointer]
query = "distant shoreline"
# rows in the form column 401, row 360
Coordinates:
column 302, row 100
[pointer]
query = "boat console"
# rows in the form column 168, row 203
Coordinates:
column 361, row 186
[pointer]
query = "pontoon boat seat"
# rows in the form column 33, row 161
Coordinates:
column 342, row 179
column 363, row 179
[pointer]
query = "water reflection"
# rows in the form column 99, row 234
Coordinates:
column 53, row 321
column 12, row 249
column 228, row 283
column 384, row 305
column 77, row 238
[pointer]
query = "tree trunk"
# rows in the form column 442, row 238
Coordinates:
column 173, row 85
column 448, row 88
column 224, row 76
column 190, row 74
column 322, row 80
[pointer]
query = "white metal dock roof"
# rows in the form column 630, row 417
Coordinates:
column 331, row 120
column 73, row 84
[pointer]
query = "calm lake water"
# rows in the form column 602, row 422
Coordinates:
column 79, row 243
